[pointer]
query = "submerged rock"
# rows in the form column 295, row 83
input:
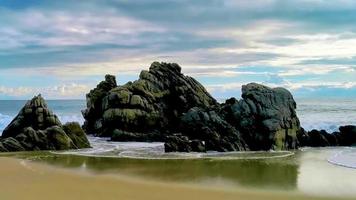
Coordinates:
column 37, row 128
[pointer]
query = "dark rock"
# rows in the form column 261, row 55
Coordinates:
column 208, row 126
column 152, row 104
column 347, row 135
column 94, row 104
column 34, row 114
column 180, row 143
column 163, row 101
column 316, row 138
column 266, row 117
column 37, row 128
column 76, row 134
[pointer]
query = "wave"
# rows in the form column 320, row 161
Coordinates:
column 329, row 126
column 345, row 158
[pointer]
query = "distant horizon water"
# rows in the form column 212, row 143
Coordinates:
column 327, row 113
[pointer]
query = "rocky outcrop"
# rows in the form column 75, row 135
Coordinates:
column 320, row 138
column 148, row 108
column 165, row 105
column 94, row 109
column 37, row 128
column 266, row 117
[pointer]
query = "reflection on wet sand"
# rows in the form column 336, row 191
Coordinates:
column 307, row 172
column 250, row 173
column 34, row 181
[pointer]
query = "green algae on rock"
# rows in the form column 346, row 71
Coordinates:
column 165, row 105
column 153, row 103
column 37, row 128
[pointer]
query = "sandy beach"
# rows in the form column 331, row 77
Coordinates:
column 22, row 179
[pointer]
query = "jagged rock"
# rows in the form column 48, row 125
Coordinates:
column 152, row 104
column 94, row 104
column 34, row 114
column 180, row 143
column 266, row 117
column 163, row 101
column 76, row 134
column 206, row 125
column 37, row 128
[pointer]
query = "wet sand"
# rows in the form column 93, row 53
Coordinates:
column 21, row 179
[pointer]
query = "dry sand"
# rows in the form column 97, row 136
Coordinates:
column 24, row 180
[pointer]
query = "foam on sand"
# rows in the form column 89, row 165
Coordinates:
column 345, row 158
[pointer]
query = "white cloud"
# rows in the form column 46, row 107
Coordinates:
column 63, row 91
column 60, row 28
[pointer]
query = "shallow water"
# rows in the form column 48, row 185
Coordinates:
column 306, row 171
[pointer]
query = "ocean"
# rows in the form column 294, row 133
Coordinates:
column 326, row 114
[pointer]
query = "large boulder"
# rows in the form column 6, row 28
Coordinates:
column 37, row 128
column 147, row 108
column 265, row 117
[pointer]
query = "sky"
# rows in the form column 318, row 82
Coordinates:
column 62, row 49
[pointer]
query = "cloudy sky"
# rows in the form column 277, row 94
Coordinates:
column 64, row 48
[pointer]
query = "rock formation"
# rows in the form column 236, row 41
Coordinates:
column 147, row 109
column 165, row 105
column 94, row 109
column 37, row 128
column 266, row 117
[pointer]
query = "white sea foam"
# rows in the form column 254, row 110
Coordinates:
column 144, row 150
column 345, row 158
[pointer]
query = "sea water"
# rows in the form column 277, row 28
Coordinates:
column 326, row 114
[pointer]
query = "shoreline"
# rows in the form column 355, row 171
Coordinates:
column 40, row 181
